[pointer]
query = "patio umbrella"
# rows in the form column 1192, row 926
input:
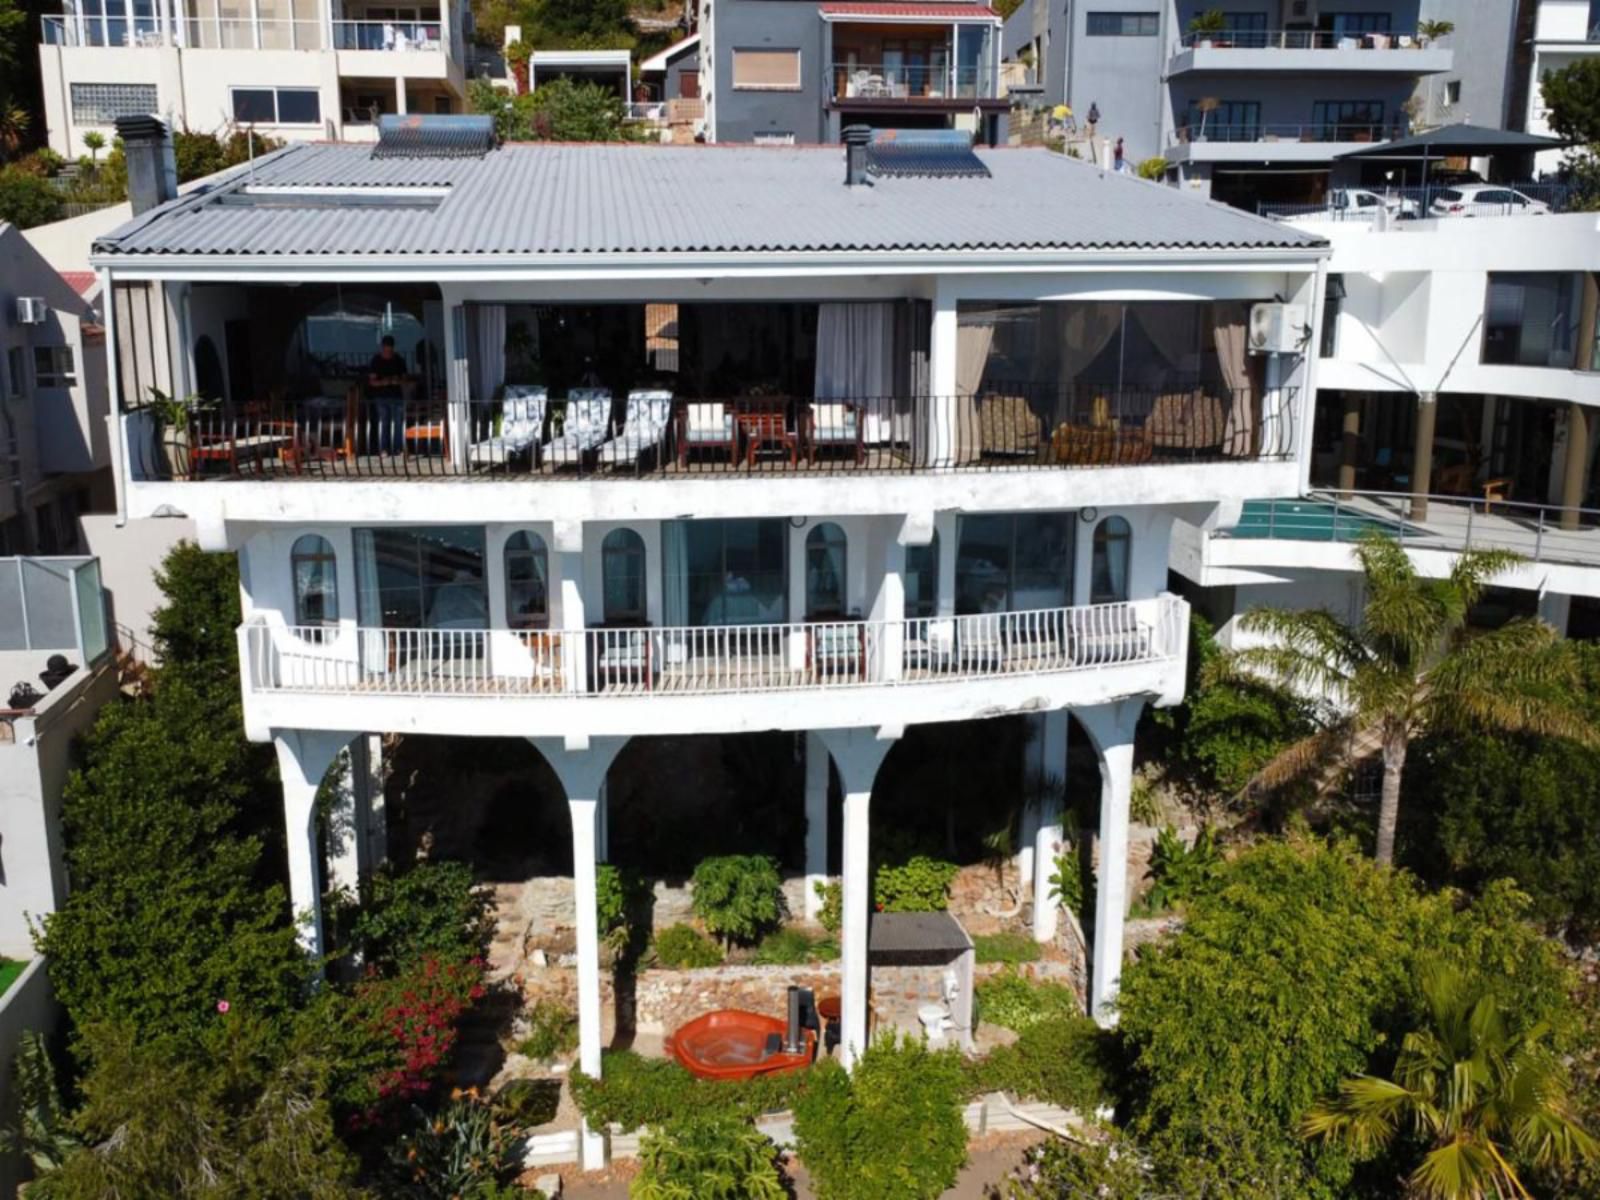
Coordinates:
column 1469, row 141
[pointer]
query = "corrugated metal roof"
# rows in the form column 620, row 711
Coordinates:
column 934, row 12
column 595, row 199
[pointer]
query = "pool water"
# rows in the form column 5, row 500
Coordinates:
column 1310, row 521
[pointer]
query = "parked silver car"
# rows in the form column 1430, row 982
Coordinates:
column 1485, row 200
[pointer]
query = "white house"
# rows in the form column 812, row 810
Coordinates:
column 1564, row 32
column 834, row 440
column 1455, row 405
column 297, row 70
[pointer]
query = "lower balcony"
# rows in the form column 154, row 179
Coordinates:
column 644, row 678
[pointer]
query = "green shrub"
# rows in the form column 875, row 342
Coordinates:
column 552, row 1031
column 1066, row 883
column 792, row 947
column 525, row 1103
column 921, row 884
column 634, row 1091
column 1005, row 948
column 1112, row 1170
column 683, row 947
column 1009, row 1000
column 1068, row 1061
column 1179, row 872
column 421, row 909
column 890, row 1131
column 27, row 199
column 738, row 897
column 831, row 915
column 700, row 1157
column 618, row 895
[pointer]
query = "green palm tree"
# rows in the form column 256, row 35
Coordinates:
column 1477, row 1094
column 1411, row 664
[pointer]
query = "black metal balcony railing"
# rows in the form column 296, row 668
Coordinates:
column 849, row 81
column 1255, row 131
column 652, row 435
column 1301, row 39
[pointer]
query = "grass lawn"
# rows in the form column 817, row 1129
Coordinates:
column 9, row 970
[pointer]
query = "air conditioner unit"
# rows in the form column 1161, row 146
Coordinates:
column 31, row 310
column 1277, row 328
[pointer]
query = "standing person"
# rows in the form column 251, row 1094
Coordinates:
column 1117, row 163
column 1094, row 118
column 386, row 389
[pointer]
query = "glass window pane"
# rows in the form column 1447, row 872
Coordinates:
column 922, row 579
column 1109, row 578
column 1043, row 558
column 983, row 564
column 298, row 106
column 254, row 105
column 622, row 576
column 527, row 567
column 826, row 572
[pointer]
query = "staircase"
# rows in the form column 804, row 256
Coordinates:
column 510, row 931
column 135, row 662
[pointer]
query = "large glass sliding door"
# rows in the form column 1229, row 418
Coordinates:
column 1014, row 562
column 725, row 572
column 421, row 578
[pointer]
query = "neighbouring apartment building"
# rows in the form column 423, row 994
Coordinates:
column 833, row 441
column 1564, row 32
column 297, row 70
column 1254, row 102
column 783, row 72
column 1457, row 388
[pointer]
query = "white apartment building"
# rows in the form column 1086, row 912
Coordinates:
column 1456, row 395
column 708, row 440
column 297, row 70
column 1564, row 32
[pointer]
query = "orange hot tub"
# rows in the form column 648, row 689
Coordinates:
column 729, row 1044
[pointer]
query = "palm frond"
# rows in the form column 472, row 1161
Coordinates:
column 1302, row 758
column 1474, row 568
column 1311, row 650
column 1363, row 1117
column 1461, row 1169
column 1520, row 678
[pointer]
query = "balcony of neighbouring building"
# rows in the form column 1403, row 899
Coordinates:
column 1251, row 48
column 1245, row 138
column 935, row 57
column 306, row 390
column 53, row 621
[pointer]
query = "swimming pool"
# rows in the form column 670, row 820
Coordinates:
column 1311, row 521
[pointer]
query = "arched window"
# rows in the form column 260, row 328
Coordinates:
column 527, row 567
column 622, row 577
column 1108, row 579
column 316, row 581
column 826, row 555
column 922, row 579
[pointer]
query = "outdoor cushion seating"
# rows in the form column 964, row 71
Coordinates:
column 622, row 655
column 1114, row 636
column 706, row 426
column 929, row 644
column 1088, row 446
column 1008, row 426
column 587, row 422
column 832, row 424
column 837, row 652
column 1186, row 421
column 521, row 426
column 644, row 424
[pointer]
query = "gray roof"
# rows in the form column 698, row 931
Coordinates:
column 913, row 933
column 530, row 200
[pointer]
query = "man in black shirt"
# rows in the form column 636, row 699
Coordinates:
column 385, row 388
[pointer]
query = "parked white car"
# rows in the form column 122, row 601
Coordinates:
column 1485, row 200
column 1359, row 202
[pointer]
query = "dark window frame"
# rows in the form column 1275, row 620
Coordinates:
column 1121, row 24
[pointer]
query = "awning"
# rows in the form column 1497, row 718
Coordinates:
column 864, row 10
column 1468, row 141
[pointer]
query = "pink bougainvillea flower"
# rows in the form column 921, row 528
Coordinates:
column 223, row 1006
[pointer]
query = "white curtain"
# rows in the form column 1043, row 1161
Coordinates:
column 855, row 351
column 1238, row 433
column 974, row 337
column 1081, row 331
column 491, row 356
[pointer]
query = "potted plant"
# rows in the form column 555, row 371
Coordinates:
column 1427, row 31
column 1207, row 25
column 174, row 440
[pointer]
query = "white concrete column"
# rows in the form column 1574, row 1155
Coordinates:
column 304, row 757
column 858, row 753
column 1111, row 727
column 1047, row 819
column 942, row 376
column 400, row 95
column 568, row 548
column 581, row 767
column 457, row 385
column 1555, row 608
column 889, row 608
column 816, row 791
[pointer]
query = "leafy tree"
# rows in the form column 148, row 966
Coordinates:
column 579, row 24
column 428, row 908
column 892, row 1130
column 230, row 1112
column 194, row 629
column 707, row 1157
column 15, row 121
column 1572, row 96
column 738, row 897
column 201, row 154
column 1478, row 1096
column 1411, row 664
column 1115, row 1169
column 25, row 198
column 558, row 111
column 1290, row 975
column 96, row 141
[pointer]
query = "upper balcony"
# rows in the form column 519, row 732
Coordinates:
column 1307, row 51
column 932, row 56
column 1249, row 140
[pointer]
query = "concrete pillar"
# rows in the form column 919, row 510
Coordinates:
column 858, row 753
column 816, row 791
column 304, row 757
column 400, row 95
column 568, row 548
column 1555, row 608
column 1422, row 468
column 581, row 767
column 1350, row 444
column 1110, row 727
column 1047, row 831
column 1577, row 461
column 943, row 436
column 889, row 611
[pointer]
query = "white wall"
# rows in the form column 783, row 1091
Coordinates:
column 129, row 557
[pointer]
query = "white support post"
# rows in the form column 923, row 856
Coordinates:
column 400, row 95
column 942, row 439
column 858, row 754
column 304, row 757
column 1555, row 608
column 816, row 822
column 1047, row 819
column 582, row 771
column 889, row 610
column 574, row 637
column 457, row 385
column 1111, row 727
